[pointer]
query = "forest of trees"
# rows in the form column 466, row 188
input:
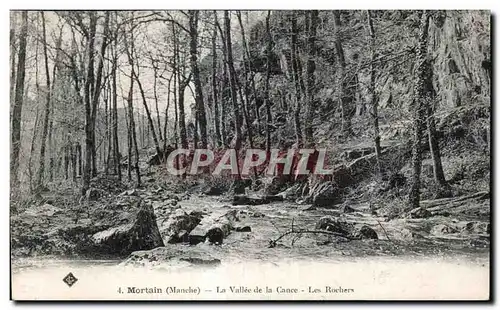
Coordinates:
column 93, row 90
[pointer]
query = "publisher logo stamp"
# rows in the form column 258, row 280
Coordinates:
column 70, row 279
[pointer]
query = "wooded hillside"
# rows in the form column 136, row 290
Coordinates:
column 400, row 99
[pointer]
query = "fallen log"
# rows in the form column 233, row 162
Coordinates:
column 215, row 228
column 446, row 203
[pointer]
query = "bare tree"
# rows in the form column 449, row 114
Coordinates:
column 148, row 113
column 421, row 97
column 97, row 87
column 372, row 91
column 248, row 72
column 129, row 48
column 182, row 83
column 13, row 53
column 89, row 80
column 114, row 99
column 18, row 102
column 216, row 118
column 232, row 81
column 267, row 99
column 297, row 78
column 345, row 81
column 312, row 23
column 200, row 105
column 154, row 64
column 224, row 84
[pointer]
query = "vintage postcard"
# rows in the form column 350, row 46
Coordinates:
column 250, row 155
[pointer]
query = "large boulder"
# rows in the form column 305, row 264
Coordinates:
column 214, row 191
column 174, row 256
column 325, row 194
column 419, row 213
column 366, row 232
column 483, row 228
column 331, row 224
column 178, row 225
column 137, row 232
column 115, row 227
column 345, row 229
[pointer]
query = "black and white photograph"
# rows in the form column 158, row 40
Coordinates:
column 250, row 154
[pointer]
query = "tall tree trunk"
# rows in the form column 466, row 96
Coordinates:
column 45, row 126
column 65, row 152
column 224, row 85
column 80, row 103
column 73, row 161
column 32, row 150
column 182, row 115
column 420, row 108
column 130, row 98
column 182, row 84
column 51, row 131
column 18, row 104
column 97, row 90
column 32, row 175
column 79, row 154
column 133, row 136
column 297, row 79
column 195, row 132
column 214, row 83
column 267, row 98
column 109, row 158
column 87, row 171
column 200, row 105
column 373, row 93
column 245, row 100
column 155, row 95
column 232, row 82
column 345, row 90
column 435, row 150
column 311, row 80
column 246, row 59
column 13, row 53
column 148, row 115
column 140, row 121
column 106, row 148
column 439, row 178
column 116, row 144
column 176, row 116
column 51, row 148
column 166, row 116
column 129, row 143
